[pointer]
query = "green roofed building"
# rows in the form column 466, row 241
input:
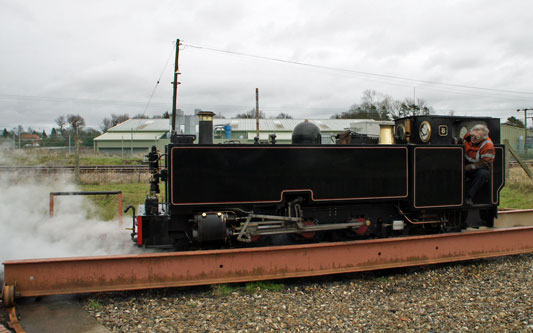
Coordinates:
column 133, row 136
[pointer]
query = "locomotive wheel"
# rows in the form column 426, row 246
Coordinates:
column 310, row 234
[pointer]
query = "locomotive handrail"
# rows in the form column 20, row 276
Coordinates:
column 118, row 193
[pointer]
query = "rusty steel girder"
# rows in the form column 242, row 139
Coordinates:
column 157, row 270
column 514, row 218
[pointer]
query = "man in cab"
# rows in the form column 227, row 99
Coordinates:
column 479, row 156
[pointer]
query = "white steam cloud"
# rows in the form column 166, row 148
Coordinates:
column 27, row 231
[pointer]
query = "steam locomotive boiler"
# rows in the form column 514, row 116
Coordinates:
column 229, row 195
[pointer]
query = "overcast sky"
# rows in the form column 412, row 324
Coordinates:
column 95, row 58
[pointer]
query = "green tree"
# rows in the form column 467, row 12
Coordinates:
column 87, row 136
column 409, row 107
column 373, row 105
column 513, row 121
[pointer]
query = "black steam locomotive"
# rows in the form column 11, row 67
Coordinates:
column 229, row 195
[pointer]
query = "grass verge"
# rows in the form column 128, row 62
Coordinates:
column 36, row 157
column 518, row 190
column 132, row 194
column 252, row 287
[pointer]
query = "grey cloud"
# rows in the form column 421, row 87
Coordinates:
column 116, row 51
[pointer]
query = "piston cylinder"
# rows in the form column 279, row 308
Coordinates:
column 210, row 227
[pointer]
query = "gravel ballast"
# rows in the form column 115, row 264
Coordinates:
column 481, row 295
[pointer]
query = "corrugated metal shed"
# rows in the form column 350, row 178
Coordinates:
column 248, row 125
column 117, row 136
column 142, row 125
column 286, row 125
column 513, row 133
column 147, row 132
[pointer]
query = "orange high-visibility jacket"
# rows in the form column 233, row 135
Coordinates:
column 480, row 154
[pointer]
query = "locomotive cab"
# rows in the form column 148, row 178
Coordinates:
column 441, row 130
column 438, row 174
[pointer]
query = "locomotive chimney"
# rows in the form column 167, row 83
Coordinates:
column 205, row 133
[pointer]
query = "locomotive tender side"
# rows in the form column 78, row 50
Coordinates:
column 238, row 194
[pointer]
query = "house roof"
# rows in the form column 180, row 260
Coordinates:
column 27, row 136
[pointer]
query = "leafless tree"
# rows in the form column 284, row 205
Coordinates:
column 76, row 123
column 105, row 125
column 119, row 118
column 283, row 116
column 251, row 115
column 61, row 122
column 114, row 121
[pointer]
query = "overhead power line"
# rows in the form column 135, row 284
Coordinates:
column 158, row 80
column 73, row 100
column 463, row 86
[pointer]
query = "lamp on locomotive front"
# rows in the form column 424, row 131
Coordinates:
column 205, row 131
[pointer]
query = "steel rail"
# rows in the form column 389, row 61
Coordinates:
column 514, row 218
column 39, row 277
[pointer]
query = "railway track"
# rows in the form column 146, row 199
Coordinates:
column 514, row 164
column 513, row 234
column 83, row 168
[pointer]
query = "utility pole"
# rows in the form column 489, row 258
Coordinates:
column 77, row 155
column 175, row 86
column 525, row 110
column 257, row 112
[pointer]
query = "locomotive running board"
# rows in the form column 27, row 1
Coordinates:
column 39, row 277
